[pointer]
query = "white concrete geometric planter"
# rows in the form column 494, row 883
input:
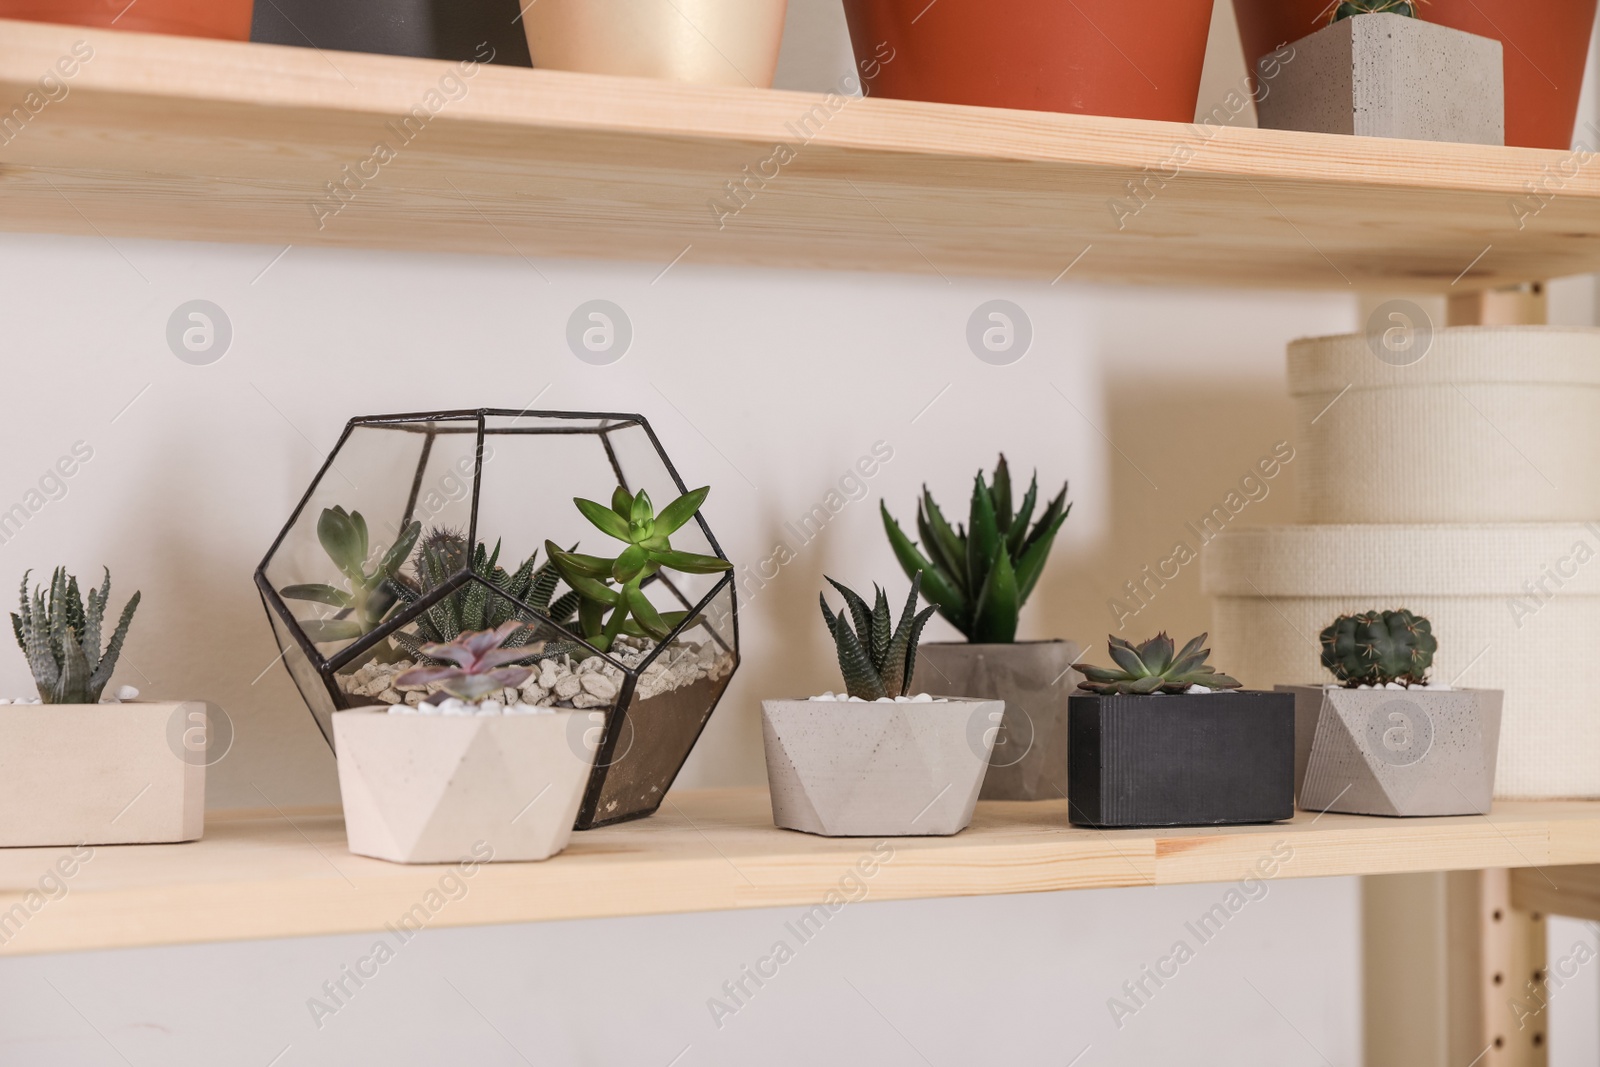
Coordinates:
column 877, row 770
column 1383, row 75
column 1500, row 596
column 99, row 774
column 1466, row 424
column 1396, row 752
column 437, row 788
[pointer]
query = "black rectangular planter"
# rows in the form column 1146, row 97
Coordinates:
column 1216, row 759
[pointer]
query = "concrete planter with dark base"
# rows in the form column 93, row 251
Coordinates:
column 876, row 770
column 1212, row 759
column 1398, row 752
column 1382, row 75
column 1034, row 679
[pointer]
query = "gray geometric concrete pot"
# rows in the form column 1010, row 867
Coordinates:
column 1396, row 752
column 1034, row 679
column 1382, row 75
column 877, row 770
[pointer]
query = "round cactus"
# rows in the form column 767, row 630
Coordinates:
column 1350, row 8
column 1379, row 647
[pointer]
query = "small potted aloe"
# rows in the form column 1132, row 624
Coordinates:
column 1382, row 740
column 437, row 781
column 876, row 761
column 979, row 576
column 1165, row 740
column 78, row 767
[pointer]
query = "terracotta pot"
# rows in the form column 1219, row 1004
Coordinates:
column 1092, row 57
column 1546, row 48
column 712, row 42
column 228, row 20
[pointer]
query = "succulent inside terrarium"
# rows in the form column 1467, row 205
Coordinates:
column 1379, row 648
column 1154, row 667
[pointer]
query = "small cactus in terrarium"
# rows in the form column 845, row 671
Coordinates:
column 1154, row 667
column 441, row 556
column 1344, row 9
column 60, row 634
column 632, row 519
column 1377, row 648
column 876, row 657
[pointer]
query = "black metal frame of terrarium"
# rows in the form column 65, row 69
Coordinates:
column 646, row 741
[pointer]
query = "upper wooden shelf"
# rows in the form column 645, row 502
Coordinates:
column 169, row 137
column 263, row 875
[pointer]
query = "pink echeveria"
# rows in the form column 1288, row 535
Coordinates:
column 480, row 669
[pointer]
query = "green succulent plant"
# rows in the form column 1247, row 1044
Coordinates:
column 60, row 635
column 1379, row 647
column 632, row 519
column 1154, row 667
column 480, row 664
column 1343, row 9
column 980, row 575
column 372, row 593
column 441, row 556
column 876, row 660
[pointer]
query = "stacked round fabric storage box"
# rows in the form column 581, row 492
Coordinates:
column 1464, row 487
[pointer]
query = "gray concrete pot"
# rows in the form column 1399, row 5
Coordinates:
column 1384, row 75
column 1034, row 679
column 876, row 770
column 1396, row 752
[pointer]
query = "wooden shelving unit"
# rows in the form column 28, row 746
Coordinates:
column 167, row 137
column 270, row 874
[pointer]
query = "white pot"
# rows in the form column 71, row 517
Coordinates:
column 712, row 42
column 877, row 770
column 1493, row 424
column 438, row 788
column 1407, row 752
column 1274, row 589
column 100, row 774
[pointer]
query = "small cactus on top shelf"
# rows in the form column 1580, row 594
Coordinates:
column 980, row 575
column 479, row 664
column 1343, row 9
column 1153, row 667
column 876, row 660
column 1379, row 647
column 60, row 635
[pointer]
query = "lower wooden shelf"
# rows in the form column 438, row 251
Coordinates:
column 268, row 875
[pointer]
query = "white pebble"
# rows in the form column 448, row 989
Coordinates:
column 127, row 692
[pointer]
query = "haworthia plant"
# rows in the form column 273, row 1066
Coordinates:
column 876, row 658
column 371, row 594
column 60, row 635
column 631, row 518
column 980, row 575
column 442, row 556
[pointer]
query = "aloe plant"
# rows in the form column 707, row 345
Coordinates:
column 441, row 556
column 481, row 664
column 876, row 661
column 980, row 575
column 632, row 519
column 372, row 593
column 60, row 634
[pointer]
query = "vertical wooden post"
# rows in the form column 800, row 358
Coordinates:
column 1454, row 975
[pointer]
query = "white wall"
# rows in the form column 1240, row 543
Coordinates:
column 768, row 385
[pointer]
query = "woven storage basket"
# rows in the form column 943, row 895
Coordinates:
column 1494, row 424
column 1275, row 588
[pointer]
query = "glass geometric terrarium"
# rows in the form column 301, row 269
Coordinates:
column 419, row 526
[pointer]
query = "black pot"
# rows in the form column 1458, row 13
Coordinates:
column 430, row 29
column 1217, row 759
